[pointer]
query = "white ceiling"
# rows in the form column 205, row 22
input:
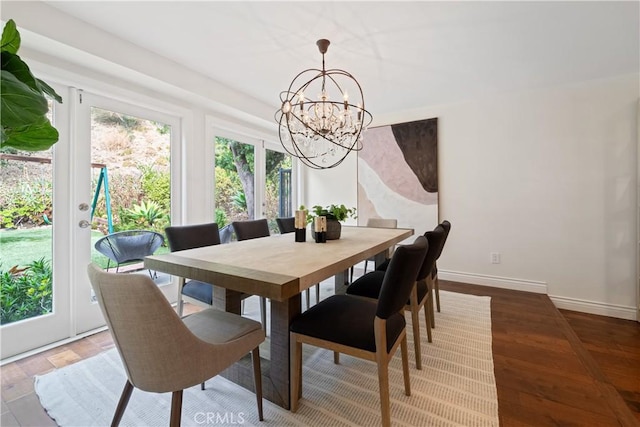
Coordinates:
column 406, row 55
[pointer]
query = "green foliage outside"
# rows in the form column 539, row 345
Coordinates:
column 157, row 186
column 26, row 294
column 143, row 216
column 27, row 205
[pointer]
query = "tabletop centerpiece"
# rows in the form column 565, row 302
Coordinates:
column 335, row 214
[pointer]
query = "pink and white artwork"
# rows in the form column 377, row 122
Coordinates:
column 398, row 175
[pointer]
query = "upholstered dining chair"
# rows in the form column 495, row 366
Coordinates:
column 421, row 296
column 361, row 327
column 446, row 225
column 254, row 229
column 377, row 223
column 183, row 237
column 162, row 352
column 287, row 225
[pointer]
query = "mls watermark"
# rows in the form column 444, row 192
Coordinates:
column 212, row 418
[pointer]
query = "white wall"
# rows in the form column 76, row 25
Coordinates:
column 547, row 179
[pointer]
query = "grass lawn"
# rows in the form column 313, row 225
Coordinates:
column 21, row 247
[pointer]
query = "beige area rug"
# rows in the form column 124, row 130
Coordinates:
column 456, row 385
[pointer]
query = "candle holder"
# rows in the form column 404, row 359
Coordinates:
column 300, row 224
column 320, row 225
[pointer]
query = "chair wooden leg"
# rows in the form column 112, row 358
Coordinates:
column 318, row 293
column 296, row 371
column 415, row 324
column 336, row 357
column 263, row 313
column 257, row 379
column 382, row 360
column 122, row 404
column 202, row 386
column 383, row 380
column 405, row 366
column 176, row 408
column 437, row 289
column 427, row 318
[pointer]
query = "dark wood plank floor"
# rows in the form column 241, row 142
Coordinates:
column 552, row 367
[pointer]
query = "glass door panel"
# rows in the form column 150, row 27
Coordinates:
column 124, row 176
column 278, row 188
column 234, row 181
column 34, row 303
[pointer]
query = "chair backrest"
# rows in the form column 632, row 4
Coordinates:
column 151, row 339
column 131, row 245
column 382, row 223
column 441, row 229
column 251, row 229
column 182, row 237
column 436, row 240
column 400, row 277
column 286, row 225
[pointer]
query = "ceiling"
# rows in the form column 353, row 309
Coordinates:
column 406, row 55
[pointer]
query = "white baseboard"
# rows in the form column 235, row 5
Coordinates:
column 591, row 307
column 494, row 281
column 573, row 304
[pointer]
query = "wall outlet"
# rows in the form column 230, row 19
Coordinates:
column 495, row 257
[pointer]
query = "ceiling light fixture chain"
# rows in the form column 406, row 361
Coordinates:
column 322, row 132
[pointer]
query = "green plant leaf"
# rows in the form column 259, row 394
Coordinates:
column 37, row 137
column 15, row 65
column 44, row 87
column 10, row 38
column 20, row 105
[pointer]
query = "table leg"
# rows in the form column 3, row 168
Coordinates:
column 341, row 282
column 275, row 370
column 282, row 312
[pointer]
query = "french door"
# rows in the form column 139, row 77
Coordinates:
column 113, row 168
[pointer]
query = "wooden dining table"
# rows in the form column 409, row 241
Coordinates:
column 277, row 268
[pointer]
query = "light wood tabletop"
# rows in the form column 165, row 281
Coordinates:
column 278, row 268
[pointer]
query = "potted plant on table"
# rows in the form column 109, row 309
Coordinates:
column 335, row 214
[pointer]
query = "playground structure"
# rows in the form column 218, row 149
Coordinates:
column 103, row 181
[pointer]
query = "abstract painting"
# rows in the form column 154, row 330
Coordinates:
column 398, row 174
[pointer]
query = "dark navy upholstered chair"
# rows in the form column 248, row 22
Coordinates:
column 421, row 296
column 362, row 327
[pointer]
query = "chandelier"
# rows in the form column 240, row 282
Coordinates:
column 322, row 132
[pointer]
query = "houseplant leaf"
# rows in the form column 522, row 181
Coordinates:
column 38, row 136
column 10, row 41
column 20, row 105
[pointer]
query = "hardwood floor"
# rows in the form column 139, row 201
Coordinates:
column 552, row 367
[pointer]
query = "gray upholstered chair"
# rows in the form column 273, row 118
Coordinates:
column 421, row 296
column 128, row 246
column 163, row 353
column 361, row 327
column 287, row 225
column 254, row 229
column 377, row 223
